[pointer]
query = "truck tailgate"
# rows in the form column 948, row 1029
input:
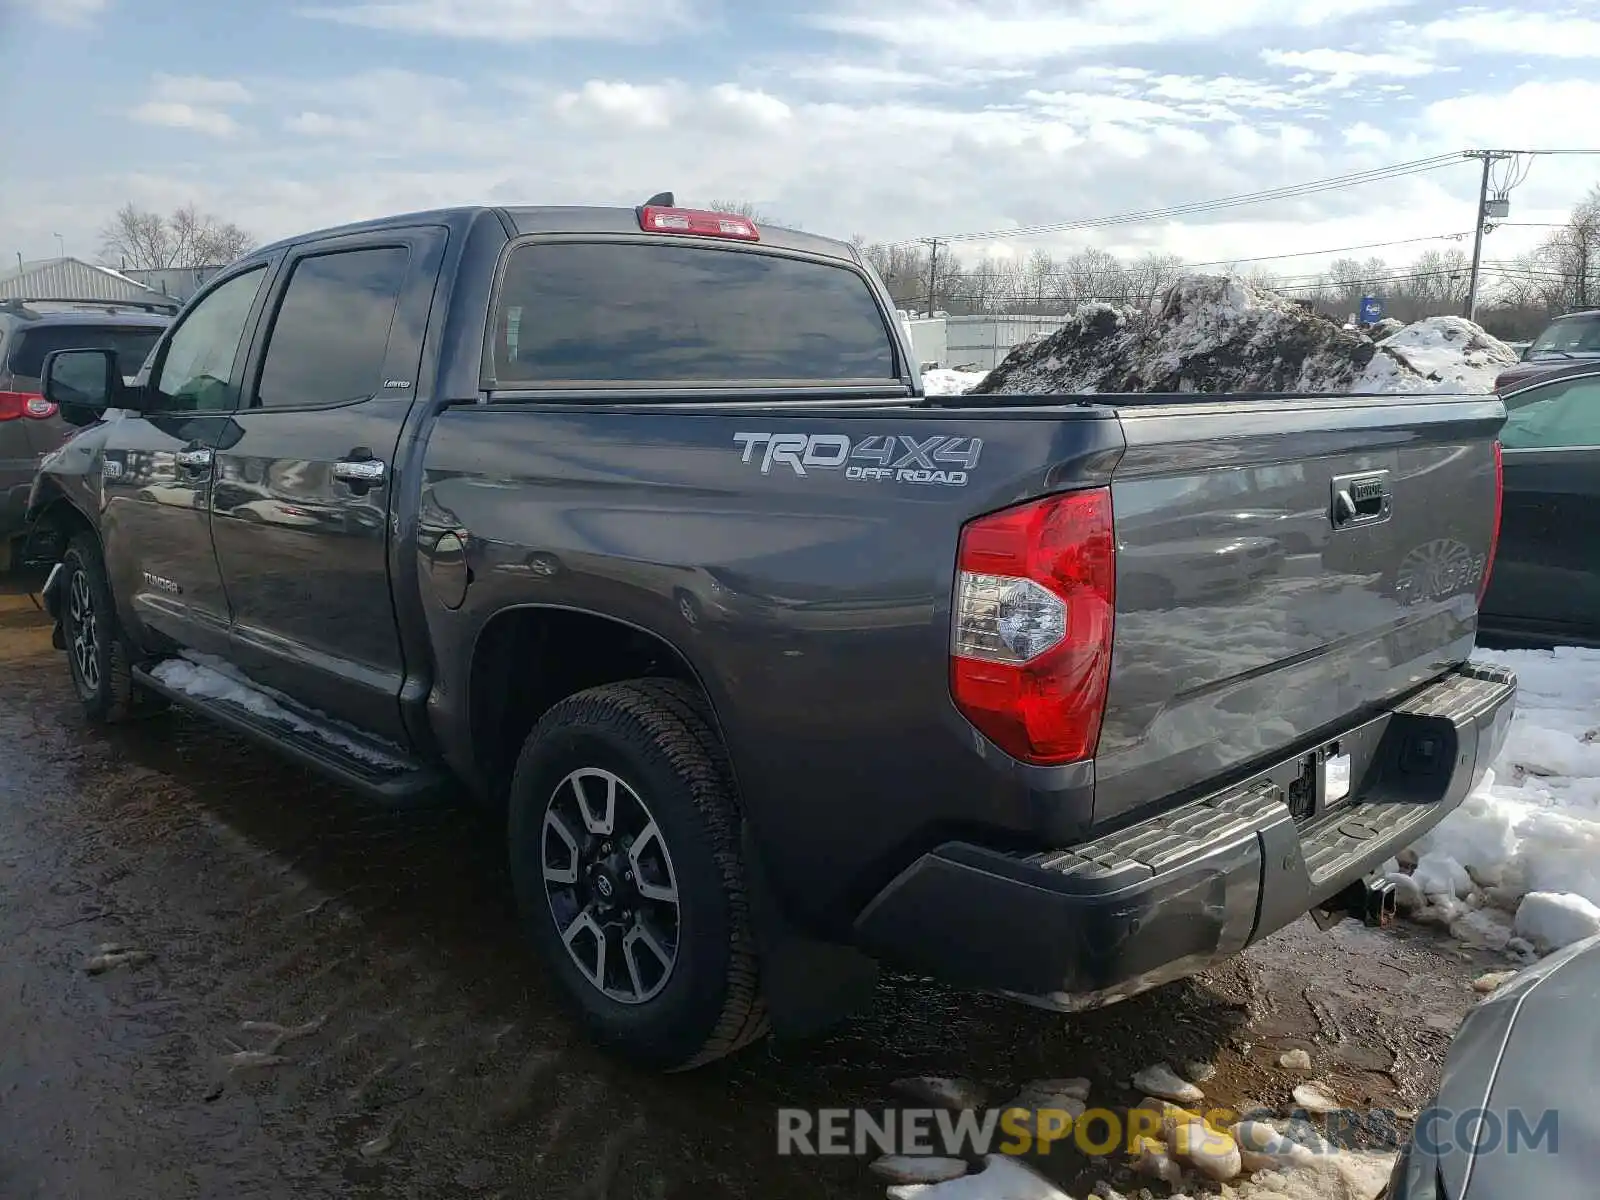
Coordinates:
column 1283, row 566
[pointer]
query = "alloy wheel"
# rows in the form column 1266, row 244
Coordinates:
column 85, row 630
column 609, row 878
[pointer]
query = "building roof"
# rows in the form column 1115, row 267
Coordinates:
column 74, row 279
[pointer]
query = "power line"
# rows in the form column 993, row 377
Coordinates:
column 1434, row 237
column 1287, row 192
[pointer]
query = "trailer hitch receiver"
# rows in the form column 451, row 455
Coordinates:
column 1372, row 901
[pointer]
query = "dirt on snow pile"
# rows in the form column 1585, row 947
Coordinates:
column 1212, row 333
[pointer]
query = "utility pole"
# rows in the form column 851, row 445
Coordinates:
column 1489, row 157
column 933, row 271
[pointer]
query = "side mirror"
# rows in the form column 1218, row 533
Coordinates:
column 82, row 383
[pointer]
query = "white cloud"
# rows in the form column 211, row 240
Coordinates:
column 759, row 108
column 516, row 20
column 852, row 76
column 72, row 13
column 194, row 102
column 198, row 89
column 1363, row 134
column 1348, row 65
column 628, row 104
column 177, row 115
column 320, row 125
column 1501, row 31
column 1552, row 114
column 964, row 31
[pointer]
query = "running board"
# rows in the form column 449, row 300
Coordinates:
column 382, row 774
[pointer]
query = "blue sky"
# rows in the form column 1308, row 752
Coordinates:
column 890, row 118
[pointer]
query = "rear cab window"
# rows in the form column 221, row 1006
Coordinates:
column 1570, row 335
column 30, row 345
column 643, row 314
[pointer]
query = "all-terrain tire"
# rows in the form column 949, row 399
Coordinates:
column 98, row 654
column 656, row 738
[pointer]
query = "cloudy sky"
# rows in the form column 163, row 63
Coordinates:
column 891, row 118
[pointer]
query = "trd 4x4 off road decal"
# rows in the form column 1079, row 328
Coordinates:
column 895, row 457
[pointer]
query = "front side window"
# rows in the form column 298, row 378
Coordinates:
column 331, row 335
column 197, row 369
column 1557, row 415
column 645, row 313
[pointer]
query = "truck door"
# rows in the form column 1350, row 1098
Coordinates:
column 157, row 470
column 301, row 506
column 1546, row 576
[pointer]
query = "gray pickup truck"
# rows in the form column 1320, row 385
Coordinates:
column 636, row 526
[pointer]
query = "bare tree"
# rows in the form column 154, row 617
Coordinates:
column 1092, row 274
column 1149, row 275
column 738, row 208
column 185, row 238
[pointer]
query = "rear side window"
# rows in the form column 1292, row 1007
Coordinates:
column 131, row 344
column 615, row 313
column 331, row 335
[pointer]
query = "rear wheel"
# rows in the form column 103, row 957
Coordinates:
column 97, row 652
column 625, row 859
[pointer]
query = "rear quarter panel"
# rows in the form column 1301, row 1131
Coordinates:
column 815, row 608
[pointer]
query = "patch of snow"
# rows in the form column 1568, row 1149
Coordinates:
column 1552, row 920
column 1440, row 875
column 945, row 382
column 215, row 680
column 1002, row 1178
column 1532, row 826
column 917, row 1168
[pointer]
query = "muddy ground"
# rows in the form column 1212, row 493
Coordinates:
column 429, row 1057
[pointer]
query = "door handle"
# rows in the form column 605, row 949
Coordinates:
column 194, row 458
column 360, row 470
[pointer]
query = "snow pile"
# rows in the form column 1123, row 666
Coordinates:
column 1439, row 354
column 943, row 382
column 1214, row 333
column 1527, row 840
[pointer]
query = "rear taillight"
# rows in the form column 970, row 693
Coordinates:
column 1031, row 635
column 15, row 406
column 1494, row 532
column 654, row 218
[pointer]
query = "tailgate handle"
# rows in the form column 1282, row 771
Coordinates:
column 1360, row 499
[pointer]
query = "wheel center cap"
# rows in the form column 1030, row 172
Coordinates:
column 604, row 886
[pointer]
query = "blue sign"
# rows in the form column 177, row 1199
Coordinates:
column 1371, row 310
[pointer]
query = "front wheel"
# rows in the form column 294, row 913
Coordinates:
column 625, row 859
column 97, row 654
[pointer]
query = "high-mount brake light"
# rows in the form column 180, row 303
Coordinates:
column 15, row 406
column 1494, row 533
column 655, row 218
column 1035, row 598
